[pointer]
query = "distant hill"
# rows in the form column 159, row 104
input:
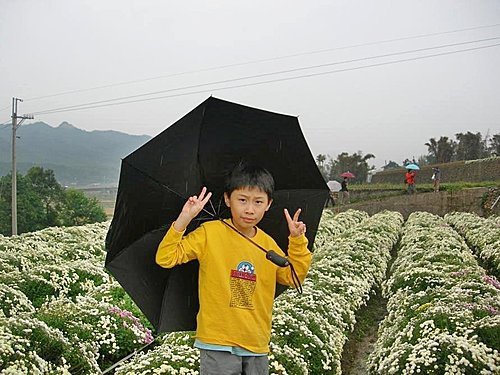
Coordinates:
column 78, row 157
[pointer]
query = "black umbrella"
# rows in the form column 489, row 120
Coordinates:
column 198, row 150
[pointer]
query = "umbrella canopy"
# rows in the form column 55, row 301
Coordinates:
column 347, row 174
column 198, row 150
column 334, row 185
column 412, row 167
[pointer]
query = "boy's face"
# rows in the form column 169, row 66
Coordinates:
column 248, row 206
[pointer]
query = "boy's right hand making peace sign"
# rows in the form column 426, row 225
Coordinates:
column 191, row 209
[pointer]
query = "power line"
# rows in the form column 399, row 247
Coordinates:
column 274, row 80
column 260, row 61
column 260, row 76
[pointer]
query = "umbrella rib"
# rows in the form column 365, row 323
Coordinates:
column 212, row 215
column 212, row 205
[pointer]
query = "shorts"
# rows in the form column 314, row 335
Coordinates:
column 214, row 362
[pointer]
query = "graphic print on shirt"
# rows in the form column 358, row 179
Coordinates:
column 243, row 281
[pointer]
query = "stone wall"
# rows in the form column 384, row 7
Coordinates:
column 468, row 200
column 467, row 171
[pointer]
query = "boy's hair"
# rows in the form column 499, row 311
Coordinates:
column 252, row 176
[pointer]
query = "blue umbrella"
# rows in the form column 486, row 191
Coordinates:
column 412, row 166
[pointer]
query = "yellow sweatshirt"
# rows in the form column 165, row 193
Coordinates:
column 236, row 282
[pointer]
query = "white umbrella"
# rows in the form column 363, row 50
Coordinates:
column 334, row 185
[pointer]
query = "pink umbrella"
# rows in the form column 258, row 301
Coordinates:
column 347, row 174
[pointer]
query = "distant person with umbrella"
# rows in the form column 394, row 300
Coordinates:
column 344, row 191
column 410, row 178
column 236, row 282
column 334, row 187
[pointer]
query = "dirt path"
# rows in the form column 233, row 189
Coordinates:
column 364, row 336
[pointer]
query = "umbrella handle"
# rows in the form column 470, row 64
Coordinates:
column 277, row 259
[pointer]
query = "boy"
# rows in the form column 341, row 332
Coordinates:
column 236, row 281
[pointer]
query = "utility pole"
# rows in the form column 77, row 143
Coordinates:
column 15, row 125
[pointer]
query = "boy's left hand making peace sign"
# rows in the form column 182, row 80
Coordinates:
column 295, row 226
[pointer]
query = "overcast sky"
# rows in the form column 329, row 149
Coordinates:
column 346, row 97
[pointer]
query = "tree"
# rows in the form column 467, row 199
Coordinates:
column 320, row 161
column 470, row 146
column 77, row 209
column 50, row 191
column 355, row 163
column 494, row 146
column 42, row 202
column 30, row 207
column 441, row 151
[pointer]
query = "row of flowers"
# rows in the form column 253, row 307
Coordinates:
column 175, row 354
column 309, row 330
column 60, row 312
column 483, row 234
column 333, row 224
column 443, row 310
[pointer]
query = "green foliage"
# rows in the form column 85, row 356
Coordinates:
column 323, row 167
column 49, row 190
column 30, row 207
column 440, row 151
column 357, row 163
column 494, row 145
column 489, row 335
column 42, row 202
column 77, row 209
column 468, row 146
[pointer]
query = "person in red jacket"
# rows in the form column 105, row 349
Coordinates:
column 410, row 181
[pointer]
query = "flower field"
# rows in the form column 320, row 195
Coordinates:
column 443, row 310
column 61, row 313
column 483, row 235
